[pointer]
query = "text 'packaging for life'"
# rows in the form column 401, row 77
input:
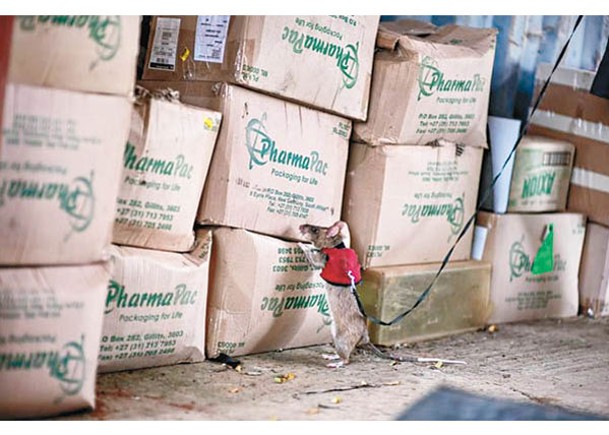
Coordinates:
column 50, row 327
column 165, row 164
column 264, row 296
column 59, row 174
column 320, row 61
column 85, row 53
column 535, row 263
column 155, row 307
column 408, row 204
column 459, row 300
column 428, row 84
column 276, row 165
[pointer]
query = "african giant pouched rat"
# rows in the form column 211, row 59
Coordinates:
column 331, row 252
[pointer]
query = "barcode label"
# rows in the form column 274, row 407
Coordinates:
column 562, row 158
column 165, row 45
column 210, row 38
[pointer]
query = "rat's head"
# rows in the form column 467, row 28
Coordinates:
column 326, row 237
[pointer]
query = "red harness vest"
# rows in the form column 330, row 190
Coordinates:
column 340, row 262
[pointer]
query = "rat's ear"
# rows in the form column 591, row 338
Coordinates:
column 341, row 228
column 338, row 227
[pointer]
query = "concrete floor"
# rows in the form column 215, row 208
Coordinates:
column 560, row 363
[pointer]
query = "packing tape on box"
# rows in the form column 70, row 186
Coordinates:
column 576, row 79
column 565, row 124
column 590, row 180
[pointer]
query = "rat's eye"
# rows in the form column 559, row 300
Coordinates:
column 314, row 230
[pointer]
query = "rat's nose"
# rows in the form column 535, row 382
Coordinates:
column 302, row 228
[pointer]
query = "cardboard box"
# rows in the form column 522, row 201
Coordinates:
column 50, row 328
column 276, row 165
column 59, row 174
column 80, row 53
column 594, row 272
column 155, row 308
column 164, row 169
column 458, row 302
column 321, row 61
column 194, row 93
column 535, row 270
column 408, row 204
column 540, row 179
column 540, row 176
column 429, row 84
column 264, row 296
column 6, row 26
column 570, row 113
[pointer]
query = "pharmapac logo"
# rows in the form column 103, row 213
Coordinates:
column 104, row 31
column 262, row 149
column 67, row 365
column 347, row 58
column 521, row 264
column 432, row 80
column 77, row 199
column 453, row 211
column 118, row 298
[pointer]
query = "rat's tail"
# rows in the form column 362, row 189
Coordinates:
column 371, row 347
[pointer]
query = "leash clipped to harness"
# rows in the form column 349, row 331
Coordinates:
column 353, row 286
column 425, row 293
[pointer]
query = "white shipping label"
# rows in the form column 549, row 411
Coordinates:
column 165, row 44
column 210, row 38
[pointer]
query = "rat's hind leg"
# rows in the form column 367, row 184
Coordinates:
column 343, row 351
column 336, row 365
column 330, row 356
column 338, row 361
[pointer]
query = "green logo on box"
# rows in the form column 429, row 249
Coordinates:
column 454, row 212
column 538, row 185
column 347, row 59
column 263, row 149
column 349, row 65
column 257, row 141
column 70, row 370
column 77, row 200
column 104, row 31
column 545, row 259
column 431, row 79
column 68, row 365
column 519, row 260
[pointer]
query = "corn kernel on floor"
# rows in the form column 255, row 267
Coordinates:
column 562, row 363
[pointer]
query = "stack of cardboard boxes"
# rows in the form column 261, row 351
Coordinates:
column 569, row 112
column 65, row 123
column 535, row 247
column 287, row 88
column 159, row 224
column 157, row 297
column 413, row 179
